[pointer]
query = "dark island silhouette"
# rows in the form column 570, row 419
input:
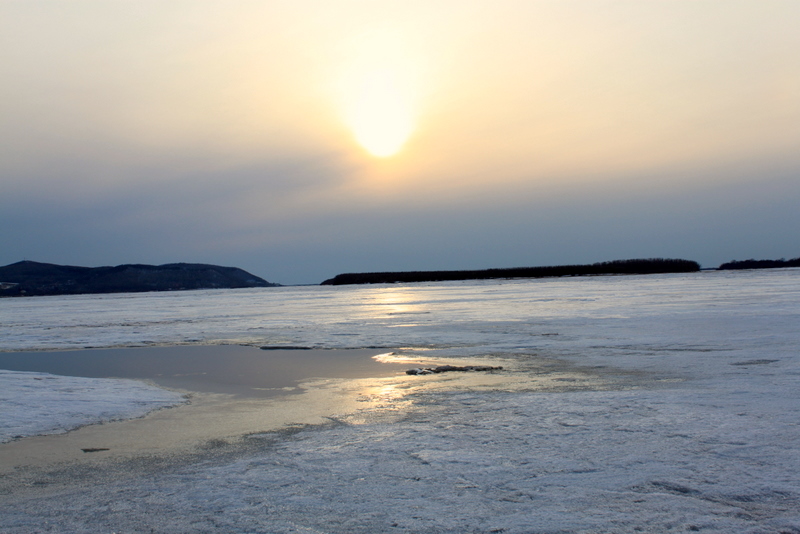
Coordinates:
column 759, row 264
column 637, row 266
column 30, row 278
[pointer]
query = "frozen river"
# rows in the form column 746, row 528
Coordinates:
column 661, row 403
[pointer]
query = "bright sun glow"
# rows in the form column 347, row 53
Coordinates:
column 379, row 89
column 381, row 116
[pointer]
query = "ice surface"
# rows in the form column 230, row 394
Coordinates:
column 41, row 403
column 693, row 458
column 692, row 425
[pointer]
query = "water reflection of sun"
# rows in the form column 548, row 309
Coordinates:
column 397, row 302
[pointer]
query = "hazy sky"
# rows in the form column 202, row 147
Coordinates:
column 299, row 139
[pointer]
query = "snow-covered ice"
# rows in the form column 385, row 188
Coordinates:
column 676, row 408
column 41, row 403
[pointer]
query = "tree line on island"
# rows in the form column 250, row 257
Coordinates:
column 759, row 264
column 637, row 266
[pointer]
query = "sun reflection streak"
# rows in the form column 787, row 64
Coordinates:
column 393, row 357
column 397, row 302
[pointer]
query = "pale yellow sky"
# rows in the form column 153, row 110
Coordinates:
column 502, row 101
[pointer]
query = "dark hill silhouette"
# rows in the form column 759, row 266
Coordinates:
column 642, row 266
column 759, row 264
column 28, row 278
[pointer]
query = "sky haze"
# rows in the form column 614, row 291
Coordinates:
column 301, row 139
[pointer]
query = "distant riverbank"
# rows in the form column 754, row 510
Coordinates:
column 637, row 266
column 30, row 278
column 759, row 264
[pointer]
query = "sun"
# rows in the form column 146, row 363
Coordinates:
column 380, row 88
column 380, row 114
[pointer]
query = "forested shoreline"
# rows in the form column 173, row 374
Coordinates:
column 759, row 264
column 633, row 266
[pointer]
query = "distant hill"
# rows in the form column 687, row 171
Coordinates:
column 643, row 266
column 29, row 278
column 759, row 264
